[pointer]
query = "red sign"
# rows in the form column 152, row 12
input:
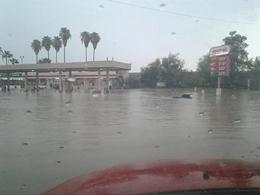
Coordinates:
column 219, row 51
column 219, row 63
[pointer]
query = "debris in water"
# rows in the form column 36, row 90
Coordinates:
column 258, row 147
column 242, row 156
column 156, row 146
column 101, row 6
column 95, row 95
column 25, row 144
column 237, row 121
column 74, row 131
column 28, row 111
column 162, row 5
column 205, row 175
column 119, row 132
column 69, row 111
column 189, row 136
column 185, row 95
column 210, row 131
column 68, row 103
column 61, row 147
column 173, row 33
column 58, row 161
column 201, row 113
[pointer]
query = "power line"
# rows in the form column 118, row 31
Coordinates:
column 182, row 14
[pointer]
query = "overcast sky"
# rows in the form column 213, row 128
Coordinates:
column 136, row 33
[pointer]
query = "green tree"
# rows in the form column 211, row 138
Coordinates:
column 204, row 64
column 85, row 38
column 238, row 53
column 6, row 55
column 95, row 38
column 171, row 66
column 150, row 74
column 167, row 70
column 46, row 43
column 14, row 61
column 56, row 43
column 204, row 70
column 36, row 46
column 255, row 65
column 65, row 36
column 44, row 61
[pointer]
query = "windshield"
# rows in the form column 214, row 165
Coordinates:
column 88, row 85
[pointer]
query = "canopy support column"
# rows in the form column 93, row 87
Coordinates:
column 8, row 81
column 26, row 82
column 60, row 82
column 37, row 81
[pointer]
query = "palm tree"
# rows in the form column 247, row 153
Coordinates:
column 56, row 43
column 1, row 52
column 6, row 55
column 14, row 61
column 95, row 38
column 36, row 46
column 65, row 35
column 44, row 61
column 85, row 38
column 46, row 43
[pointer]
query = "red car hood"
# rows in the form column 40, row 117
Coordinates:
column 164, row 176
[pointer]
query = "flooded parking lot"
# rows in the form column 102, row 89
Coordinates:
column 48, row 138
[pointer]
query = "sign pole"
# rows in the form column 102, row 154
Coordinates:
column 218, row 92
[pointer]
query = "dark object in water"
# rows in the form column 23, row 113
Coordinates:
column 185, row 95
column 28, row 111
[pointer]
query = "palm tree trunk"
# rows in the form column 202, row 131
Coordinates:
column 86, row 53
column 56, row 56
column 36, row 58
column 94, row 55
column 6, row 60
column 64, row 54
column 48, row 54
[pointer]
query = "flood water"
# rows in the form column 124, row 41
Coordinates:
column 48, row 138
